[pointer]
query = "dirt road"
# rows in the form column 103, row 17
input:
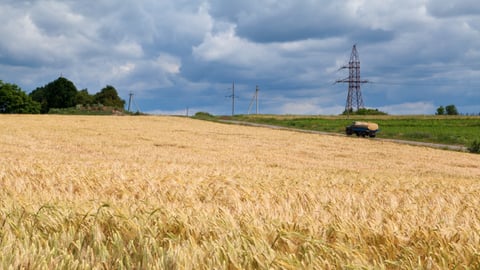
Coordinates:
column 424, row 144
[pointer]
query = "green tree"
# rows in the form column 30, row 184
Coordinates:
column 60, row 93
column 108, row 96
column 440, row 110
column 14, row 100
column 38, row 95
column 84, row 98
column 451, row 110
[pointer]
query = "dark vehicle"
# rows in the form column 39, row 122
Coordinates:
column 362, row 129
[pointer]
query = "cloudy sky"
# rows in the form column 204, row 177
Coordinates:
column 179, row 54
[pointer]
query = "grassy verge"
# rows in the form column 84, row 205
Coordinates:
column 457, row 130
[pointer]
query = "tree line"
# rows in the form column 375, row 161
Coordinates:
column 447, row 110
column 58, row 94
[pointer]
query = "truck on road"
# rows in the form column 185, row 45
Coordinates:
column 362, row 129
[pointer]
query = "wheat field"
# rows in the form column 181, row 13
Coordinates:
column 120, row 192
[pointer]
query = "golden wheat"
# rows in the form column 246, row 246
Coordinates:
column 89, row 192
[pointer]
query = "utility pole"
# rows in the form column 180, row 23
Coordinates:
column 354, row 96
column 255, row 98
column 130, row 100
column 233, row 98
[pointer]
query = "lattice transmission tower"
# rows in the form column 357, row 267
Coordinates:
column 354, row 97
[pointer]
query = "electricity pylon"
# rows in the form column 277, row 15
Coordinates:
column 354, row 97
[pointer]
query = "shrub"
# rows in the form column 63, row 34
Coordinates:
column 365, row 111
column 203, row 115
column 475, row 147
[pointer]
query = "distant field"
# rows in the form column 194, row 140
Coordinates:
column 124, row 192
column 455, row 130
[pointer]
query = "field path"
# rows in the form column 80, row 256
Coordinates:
column 424, row 144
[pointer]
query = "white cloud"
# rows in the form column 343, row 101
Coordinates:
column 124, row 69
column 168, row 63
column 427, row 49
column 309, row 108
column 44, row 32
column 173, row 112
column 227, row 47
column 129, row 49
column 299, row 107
column 414, row 108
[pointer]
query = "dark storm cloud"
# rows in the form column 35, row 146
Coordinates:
column 180, row 53
column 283, row 21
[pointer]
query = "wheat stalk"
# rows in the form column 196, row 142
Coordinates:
column 175, row 193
